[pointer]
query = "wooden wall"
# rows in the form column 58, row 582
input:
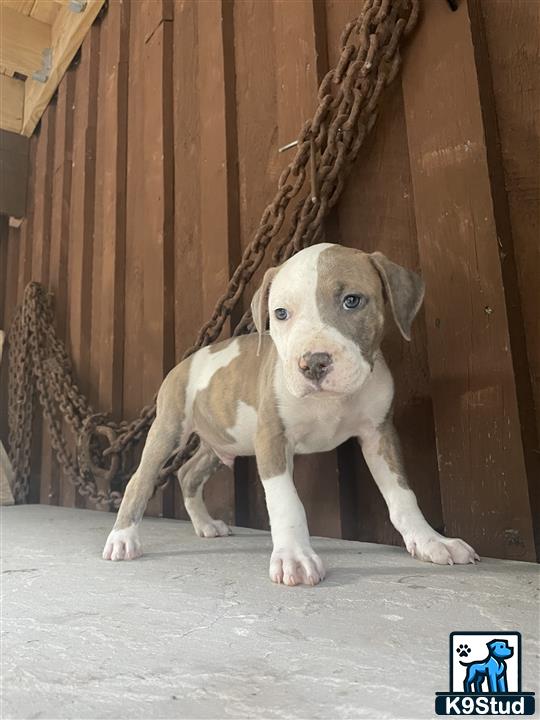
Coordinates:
column 150, row 171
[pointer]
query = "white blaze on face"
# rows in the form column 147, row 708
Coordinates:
column 294, row 288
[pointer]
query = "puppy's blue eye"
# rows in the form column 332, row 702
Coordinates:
column 353, row 302
column 281, row 313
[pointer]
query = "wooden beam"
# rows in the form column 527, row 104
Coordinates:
column 11, row 104
column 68, row 33
column 22, row 41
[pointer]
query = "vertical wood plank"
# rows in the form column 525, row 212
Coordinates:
column 24, row 277
column 82, row 208
column 10, row 289
column 25, row 255
column 513, row 96
column 11, row 241
column 61, row 194
column 41, row 224
column 82, row 222
column 158, row 250
column 483, row 481
column 101, row 168
column 4, row 251
column 113, row 213
column 41, row 469
column 6, row 263
column 218, row 182
column 218, row 160
column 259, row 166
column 133, row 297
column 59, row 246
column 188, row 305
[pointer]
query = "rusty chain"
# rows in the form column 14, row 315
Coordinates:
column 327, row 147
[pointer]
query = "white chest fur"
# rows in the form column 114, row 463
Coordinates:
column 321, row 422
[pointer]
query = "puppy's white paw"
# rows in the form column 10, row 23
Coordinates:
column 123, row 544
column 212, row 529
column 440, row 550
column 296, row 566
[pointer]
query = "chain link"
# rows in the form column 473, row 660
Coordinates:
column 39, row 366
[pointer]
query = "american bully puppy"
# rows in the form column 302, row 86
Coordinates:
column 315, row 379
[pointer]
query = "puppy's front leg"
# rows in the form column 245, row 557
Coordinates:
column 293, row 560
column 382, row 451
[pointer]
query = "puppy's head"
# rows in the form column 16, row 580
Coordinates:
column 326, row 312
column 500, row 649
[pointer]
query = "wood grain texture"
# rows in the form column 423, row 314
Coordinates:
column 41, row 466
column 112, row 143
column 59, row 245
column 482, row 471
column 81, row 228
column 25, row 252
column 512, row 59
column 4, row 251
column 188, row 313
column 218, row 184
column 158, row 251
column 11, row 243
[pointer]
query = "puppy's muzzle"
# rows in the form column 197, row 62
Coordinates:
column 315, row 366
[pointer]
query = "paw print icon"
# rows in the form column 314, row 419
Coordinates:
column 463, row 650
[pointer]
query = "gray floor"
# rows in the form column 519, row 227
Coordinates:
column 195, row 629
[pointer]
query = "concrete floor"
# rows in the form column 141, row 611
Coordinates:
column 195, row 629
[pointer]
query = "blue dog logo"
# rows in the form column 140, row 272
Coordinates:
column 492, row 668
column 491, row 686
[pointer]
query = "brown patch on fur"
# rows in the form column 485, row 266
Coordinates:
column 247, row 378
column 390, row 450
column 216, row 407
column 343, row 271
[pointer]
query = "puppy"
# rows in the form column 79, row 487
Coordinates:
column 314, row 379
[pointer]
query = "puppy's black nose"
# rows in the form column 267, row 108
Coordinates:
column 315, row 366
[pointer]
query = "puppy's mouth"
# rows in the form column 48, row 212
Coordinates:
column 328, row 386
column 315, row 388
column 336, row 383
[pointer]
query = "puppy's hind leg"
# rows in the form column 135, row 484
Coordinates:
column 168, row 429
column 192, row 477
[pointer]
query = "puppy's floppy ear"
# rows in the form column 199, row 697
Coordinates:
column 259, row 303
column 404, row 289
